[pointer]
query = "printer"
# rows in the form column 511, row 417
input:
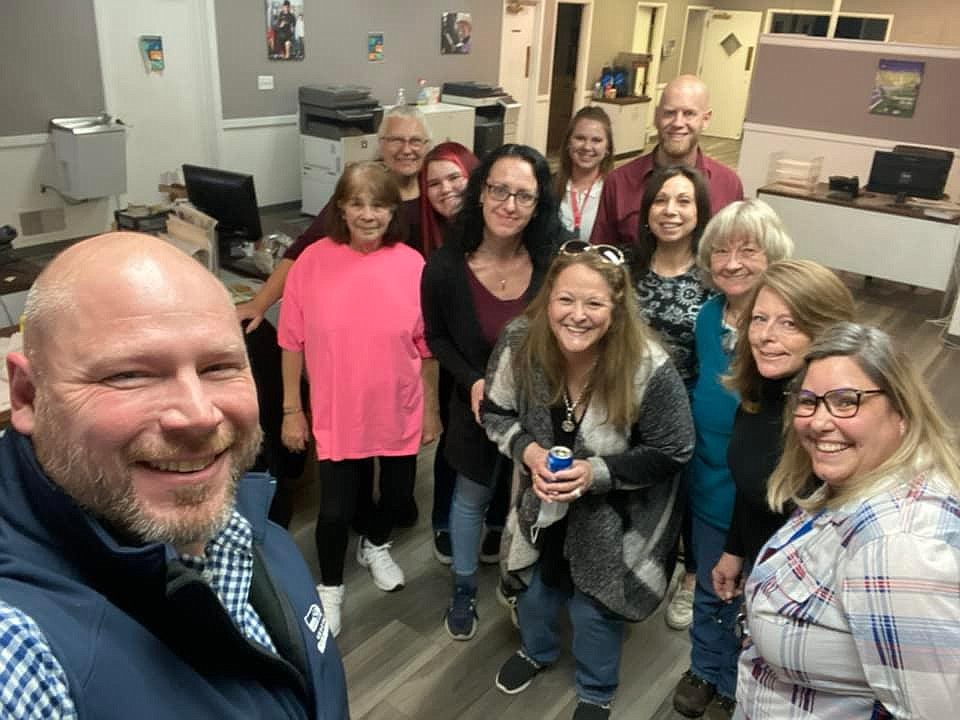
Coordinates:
column 338, row 125
column 497, row 114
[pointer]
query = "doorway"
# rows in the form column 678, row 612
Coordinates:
column 691, row 47
column 563, row 86
column 648, row 28
column 519, row 61
column 729, row 50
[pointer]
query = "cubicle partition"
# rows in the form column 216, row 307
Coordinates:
column 811, row 96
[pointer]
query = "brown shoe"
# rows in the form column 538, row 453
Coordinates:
column 692, row 695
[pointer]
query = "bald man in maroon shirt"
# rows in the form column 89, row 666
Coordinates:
column 682, row 114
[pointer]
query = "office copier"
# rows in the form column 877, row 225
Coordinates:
column 338, row 125
column 497, row 114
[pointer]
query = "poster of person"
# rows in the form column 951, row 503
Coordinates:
column 455, row 31
column 284, row 30
column 375, row 47
column 896, row 88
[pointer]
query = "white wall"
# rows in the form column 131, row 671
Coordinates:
column 842, row 154
column 170, row 115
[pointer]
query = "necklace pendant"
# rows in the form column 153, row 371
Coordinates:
column 568, row 425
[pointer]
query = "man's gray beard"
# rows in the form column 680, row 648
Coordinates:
column 114, row 501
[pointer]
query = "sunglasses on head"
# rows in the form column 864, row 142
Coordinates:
column 608, row 253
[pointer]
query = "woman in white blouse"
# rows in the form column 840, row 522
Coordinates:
column 586, row 159
column 854, row 605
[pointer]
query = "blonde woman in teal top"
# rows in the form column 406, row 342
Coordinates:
column 737, row 245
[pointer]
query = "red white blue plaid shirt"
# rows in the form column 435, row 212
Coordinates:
column 855, row 612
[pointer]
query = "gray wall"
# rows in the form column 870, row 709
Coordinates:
column 828, row 89
column 335, row 43
column 49, row 65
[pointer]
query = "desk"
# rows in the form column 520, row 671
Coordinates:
column 870, row 237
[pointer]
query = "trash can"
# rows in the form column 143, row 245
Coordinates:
column 91, row 155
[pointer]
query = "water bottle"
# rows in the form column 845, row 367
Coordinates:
column 401, row 97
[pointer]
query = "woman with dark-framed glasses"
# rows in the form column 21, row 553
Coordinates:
column 580, row 370
column 853, row 606
column 490, row 266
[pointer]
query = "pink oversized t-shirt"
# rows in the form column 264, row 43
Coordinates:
column 356, row 318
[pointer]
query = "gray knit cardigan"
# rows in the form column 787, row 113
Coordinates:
column 622, row 534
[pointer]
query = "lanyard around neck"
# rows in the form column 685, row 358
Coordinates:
column 578, row 210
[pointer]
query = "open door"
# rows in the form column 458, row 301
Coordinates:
column 648, row 26
column 729, row 50
column 563, row 86
column 518, row 50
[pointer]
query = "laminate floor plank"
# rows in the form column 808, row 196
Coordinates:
column 401, row 664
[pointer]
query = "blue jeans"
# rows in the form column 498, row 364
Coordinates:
column 597, row 637
column 715, row 646
column 470, row 501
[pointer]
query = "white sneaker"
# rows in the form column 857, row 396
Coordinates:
column 331, row 597
column 679, row 613
column 386, row 574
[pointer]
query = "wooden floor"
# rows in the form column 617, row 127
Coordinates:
column 401, row 664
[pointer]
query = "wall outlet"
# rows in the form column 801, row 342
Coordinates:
column 264, row 82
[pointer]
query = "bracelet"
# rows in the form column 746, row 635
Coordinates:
column 292, row 411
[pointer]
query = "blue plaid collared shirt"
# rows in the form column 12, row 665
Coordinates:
column 855, row 612
column 33, row 685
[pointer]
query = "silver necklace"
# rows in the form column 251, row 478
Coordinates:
column 568, row 424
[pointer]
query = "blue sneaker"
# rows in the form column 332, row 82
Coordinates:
column 461, row 616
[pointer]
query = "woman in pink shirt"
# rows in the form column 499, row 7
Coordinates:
column 351, row 317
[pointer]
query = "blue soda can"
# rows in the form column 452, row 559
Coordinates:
column 559, row 458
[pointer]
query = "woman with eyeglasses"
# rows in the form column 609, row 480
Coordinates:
column 853, row 605
column 580, row 370
column 586, row 159
column 351, row 319
column 737, row 245
column 490, row 266
column 794, row 302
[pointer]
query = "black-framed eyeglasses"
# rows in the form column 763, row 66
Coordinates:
column 610, row 253
column 501, row 193
column 841, row 403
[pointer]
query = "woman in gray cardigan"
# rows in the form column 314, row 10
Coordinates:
column 580, row 369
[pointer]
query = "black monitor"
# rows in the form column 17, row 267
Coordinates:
column 917, row 172
column 229, row 198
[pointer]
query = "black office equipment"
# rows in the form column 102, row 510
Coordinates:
column 912, row 171
column 845, row 188
column 231, row 199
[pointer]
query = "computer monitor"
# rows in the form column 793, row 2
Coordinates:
column 229, row 198
column 917, row 172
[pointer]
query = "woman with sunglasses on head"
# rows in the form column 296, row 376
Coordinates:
column 737, row 245
column 443, row 180
column 489, row 267
column 579, row 369
column 586, row 160
column 853, row 606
